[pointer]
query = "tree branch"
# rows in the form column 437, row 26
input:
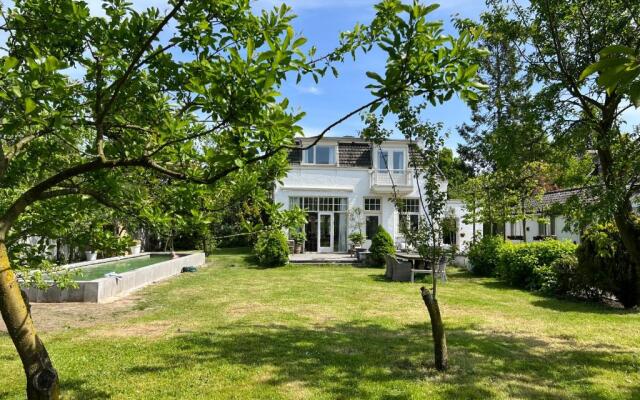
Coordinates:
column 119, row 83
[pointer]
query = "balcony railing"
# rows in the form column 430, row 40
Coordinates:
column 385, row 180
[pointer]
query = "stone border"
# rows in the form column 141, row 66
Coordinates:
column 103, row 289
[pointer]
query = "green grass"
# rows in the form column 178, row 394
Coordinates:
column 91, row 273
column 234, row 331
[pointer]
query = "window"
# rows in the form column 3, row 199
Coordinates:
column 319, row 203
column 371, row 222
column 552, row 223
column 449, row 230
column 398, row 161
column 320, row 155
column 409, row 217
column 371, row 204
column 393, row 160
column 383, row 160
column 542, row 229
column 410, row 206
column 409, row 221
column 309, row 156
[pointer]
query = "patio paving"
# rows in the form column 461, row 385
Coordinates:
column 322, row 258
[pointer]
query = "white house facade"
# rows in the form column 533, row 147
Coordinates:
column 341, row 174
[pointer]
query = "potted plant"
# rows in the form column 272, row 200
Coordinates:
column 134, row 247
column 91, row 247
column 298, row 237
column 356, row 239
column 91, row 255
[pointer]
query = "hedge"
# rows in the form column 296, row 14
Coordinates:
column 483, row 255
column 529, row 265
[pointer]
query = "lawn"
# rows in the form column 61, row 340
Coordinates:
column 234, row 331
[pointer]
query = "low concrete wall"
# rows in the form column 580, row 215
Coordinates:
column 103, row 289
column 462, row 261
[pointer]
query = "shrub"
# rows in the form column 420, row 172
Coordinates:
column 357, row 238
column 560, row 277
column 483, row 255
column 381, row 245
column 604, row 265
column 528, row 265
column 272, row 249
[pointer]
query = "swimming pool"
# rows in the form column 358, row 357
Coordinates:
column 96, row 271
column 96, row 285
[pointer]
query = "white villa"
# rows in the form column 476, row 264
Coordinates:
column 339, row 174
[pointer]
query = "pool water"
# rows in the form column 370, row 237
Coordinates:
column 95, row 272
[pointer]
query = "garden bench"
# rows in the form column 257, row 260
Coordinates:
column 419, row 271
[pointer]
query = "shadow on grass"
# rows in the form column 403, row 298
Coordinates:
column 582, row 306
column 366, row 361
column 81, row 390
column 572, row 304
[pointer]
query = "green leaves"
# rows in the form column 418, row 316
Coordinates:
column 9, row 64
column 619, row 70
column 29, row 105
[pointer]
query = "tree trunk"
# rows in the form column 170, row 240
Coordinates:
column 437, row 329
column 629, row 233
column 42, row 378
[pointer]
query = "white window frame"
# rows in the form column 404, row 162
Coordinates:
column 364, row 205
column 391, row 158
column 408, row 214
column 305, row 157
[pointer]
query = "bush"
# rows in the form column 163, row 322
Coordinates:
column 483, row 255
column 528, row 265
column 272, row 249
column 381, row 245
column 604, row 265
column 560, row 278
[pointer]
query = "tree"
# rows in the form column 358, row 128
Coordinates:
column 503, row 130
column 561, row 41
column 451, row 69
column 198, row 106
column 456, row 171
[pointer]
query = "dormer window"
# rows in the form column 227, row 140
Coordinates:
column 391, row 159
column 320, row 155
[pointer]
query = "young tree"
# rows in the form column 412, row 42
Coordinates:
column 451, row 69
column 197, row 104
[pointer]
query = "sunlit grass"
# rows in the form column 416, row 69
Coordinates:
column 234, row 331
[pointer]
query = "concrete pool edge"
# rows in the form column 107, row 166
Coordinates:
column 103, row 289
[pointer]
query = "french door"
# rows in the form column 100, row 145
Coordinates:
column 325, row 232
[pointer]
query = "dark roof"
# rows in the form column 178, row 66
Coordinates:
column 347, row 138
column 354, row 154
column 560, row 196
column 556, row 197
column 295, row 156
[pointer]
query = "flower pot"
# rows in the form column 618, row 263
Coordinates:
column 134, row 250
column 299, row 248
column 91, row 255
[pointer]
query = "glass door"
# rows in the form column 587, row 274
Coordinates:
column 325, row 232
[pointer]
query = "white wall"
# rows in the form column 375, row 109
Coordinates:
column 562, row 231
column 350, row 182
column 465, row 231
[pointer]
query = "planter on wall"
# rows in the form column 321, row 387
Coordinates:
column 135, row 250
column 91, row 255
